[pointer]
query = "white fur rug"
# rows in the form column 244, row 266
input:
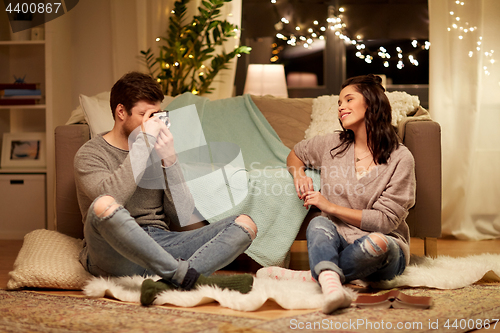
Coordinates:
column 446, row 272
column 288, row 294
column 441, row 273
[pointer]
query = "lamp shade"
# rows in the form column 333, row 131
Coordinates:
column 266, row 80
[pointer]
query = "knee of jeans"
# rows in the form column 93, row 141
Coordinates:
column 314, row 223
column 376, row 244
column 248, row 224
column 105, row 206
column 322, row 223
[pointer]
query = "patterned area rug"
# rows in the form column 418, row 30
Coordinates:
column 458, row 310
column 22, row 311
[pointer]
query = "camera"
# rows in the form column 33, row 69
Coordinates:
column 163, row 115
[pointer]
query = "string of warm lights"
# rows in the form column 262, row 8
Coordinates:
column 464, row 29
column 305, row 37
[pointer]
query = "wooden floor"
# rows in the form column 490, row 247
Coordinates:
column 450, row 247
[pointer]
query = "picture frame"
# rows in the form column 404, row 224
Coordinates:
column 26, row 150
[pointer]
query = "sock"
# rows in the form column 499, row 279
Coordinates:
column 335, row 296
column 238, row 282
column 190, row 279
column 150, row 289
column 279, row 273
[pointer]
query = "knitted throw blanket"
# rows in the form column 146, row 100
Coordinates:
column 250, row 179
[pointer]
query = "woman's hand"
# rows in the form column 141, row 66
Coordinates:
column 348, row 215
column 303, row 184
column 297, row 169
column 315, row 198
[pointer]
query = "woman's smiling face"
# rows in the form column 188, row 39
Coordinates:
column 352, row 108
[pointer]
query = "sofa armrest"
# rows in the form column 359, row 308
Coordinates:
column 68, row 139
column 423, row 139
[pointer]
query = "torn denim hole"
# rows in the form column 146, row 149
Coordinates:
column 330, row 234
column 369, row 246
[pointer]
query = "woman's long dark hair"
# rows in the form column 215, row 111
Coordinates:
column 382, row 139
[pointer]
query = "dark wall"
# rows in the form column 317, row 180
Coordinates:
column 409, row 74
column 373, row 19
column 378, row 22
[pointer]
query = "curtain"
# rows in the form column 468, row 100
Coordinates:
column 135, row 25
column 465, row 100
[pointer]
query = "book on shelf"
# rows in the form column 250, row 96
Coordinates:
column 31, row 86
column 19, row 101
column 19, row 92
column 22, row 97
column 393, row 299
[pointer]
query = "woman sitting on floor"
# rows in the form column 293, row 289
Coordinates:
column 367, row 188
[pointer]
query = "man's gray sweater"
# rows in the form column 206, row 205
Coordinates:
column 153, row 195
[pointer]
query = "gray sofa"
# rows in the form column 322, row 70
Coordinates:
column 290, row 117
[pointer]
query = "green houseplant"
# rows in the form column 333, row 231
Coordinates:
column 189, row 61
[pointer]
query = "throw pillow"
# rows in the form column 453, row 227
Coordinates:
column 48, row 259
column 77, row 116
column 324, row 116
column 97, row 113
column 402, row 105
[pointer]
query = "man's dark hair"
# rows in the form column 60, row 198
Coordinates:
column 132, row 88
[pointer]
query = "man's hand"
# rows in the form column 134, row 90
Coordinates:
column 151, row 125
column 165, row 146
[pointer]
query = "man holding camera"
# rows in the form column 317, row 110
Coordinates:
column 129, row 200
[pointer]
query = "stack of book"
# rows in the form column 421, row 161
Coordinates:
column 20, row 94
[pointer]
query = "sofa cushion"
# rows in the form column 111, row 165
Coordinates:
column 289, row 117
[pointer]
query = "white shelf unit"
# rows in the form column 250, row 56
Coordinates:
column 18, row 191
column 29, row 59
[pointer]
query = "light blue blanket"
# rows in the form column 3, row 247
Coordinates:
column 251, row 178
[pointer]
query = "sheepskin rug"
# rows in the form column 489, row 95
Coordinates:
column 441, row 273
column 446, row 272
column 288, row 294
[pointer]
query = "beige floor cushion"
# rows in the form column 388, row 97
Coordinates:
column 48, row 259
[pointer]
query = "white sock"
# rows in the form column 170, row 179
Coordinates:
column 335, row 296
column 279, row 273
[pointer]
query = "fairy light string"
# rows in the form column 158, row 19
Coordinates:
column 305, row 36
column 464, row 29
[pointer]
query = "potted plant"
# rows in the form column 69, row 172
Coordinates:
column 189, row 61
